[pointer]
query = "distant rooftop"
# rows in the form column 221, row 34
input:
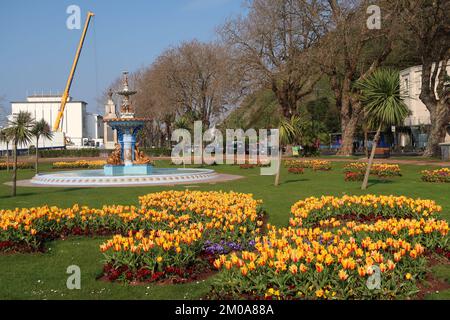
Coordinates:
column 46, row 98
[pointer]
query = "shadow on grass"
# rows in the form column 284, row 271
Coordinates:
column 27, row 194
column 373, row 182
column 296, row 180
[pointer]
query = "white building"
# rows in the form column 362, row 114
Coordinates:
column 80, row 127
column 109, row 135
column 416, row 126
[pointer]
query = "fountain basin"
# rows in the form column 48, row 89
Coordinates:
column 158, row 176
column 136, row 169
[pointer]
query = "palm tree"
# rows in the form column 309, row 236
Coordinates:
column 289, row 130
column 383, row 106
column 20, row 133
column 40, row 129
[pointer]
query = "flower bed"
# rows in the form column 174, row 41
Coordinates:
column 254, row 165
column 332, row 248
column 355, row 171
column 168, row 235
column 247, row 166
column 296, row 170
column 81, row 164
column 20, row 165
column 316, row 165
column 438, row 175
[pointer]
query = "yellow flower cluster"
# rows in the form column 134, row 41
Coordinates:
column 338, row 251
column 315, row 164
column 20, row 165
column 184, row 217
column 91, row 164
column 385, row 206
column 380, row 169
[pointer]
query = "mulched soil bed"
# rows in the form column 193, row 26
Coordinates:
column 171, row 275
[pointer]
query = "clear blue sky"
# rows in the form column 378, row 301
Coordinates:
column 37, row 49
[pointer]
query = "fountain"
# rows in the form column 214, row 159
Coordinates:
column 127, row 165
column 127, row 158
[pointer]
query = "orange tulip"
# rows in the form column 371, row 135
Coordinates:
column 343, row 275
column 319, row 267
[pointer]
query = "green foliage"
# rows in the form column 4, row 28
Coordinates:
column 157, row 152
column 69, row 153
column 325, row 113
column 42, row 129
column 20, row 128
column 380, row 95
column 259, row 111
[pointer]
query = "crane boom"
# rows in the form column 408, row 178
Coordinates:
column 57, row 125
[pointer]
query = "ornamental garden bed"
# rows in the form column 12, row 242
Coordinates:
column 439, row 175
column 355, row 171
column 321, row 257
column 172, row 235
column 329, row 250
column 296, row 170
column 81, row 164
column 315, row 165
column 20, row 165
column 253, row 165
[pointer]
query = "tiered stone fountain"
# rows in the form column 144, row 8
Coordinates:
column 127, row 159
column 127, row 165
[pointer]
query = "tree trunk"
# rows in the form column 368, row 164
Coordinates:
column 14, row 176
column 7, row 157
column 350, row 114
column 439, row 121
column 366, row 142
column 372, row 155
column 277, row 176
column 37, row 156
column 348, row 135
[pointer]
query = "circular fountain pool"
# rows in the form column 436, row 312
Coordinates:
column 159, row 176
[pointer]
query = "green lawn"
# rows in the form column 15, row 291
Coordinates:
column 43, row 276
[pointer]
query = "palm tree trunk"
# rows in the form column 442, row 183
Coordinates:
column 14, row 176
column 372, row 155
column 366, row 140
column 37, row 155
column 7, row 157
column 277, row 176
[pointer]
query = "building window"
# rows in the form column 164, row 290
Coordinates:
column 406, row 85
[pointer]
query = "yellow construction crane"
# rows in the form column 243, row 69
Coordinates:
column 57, row 125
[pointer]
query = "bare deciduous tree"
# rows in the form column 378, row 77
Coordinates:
column 195, row 79
column 273, row 45
column 350, row 52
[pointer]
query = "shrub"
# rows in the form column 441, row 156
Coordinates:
column 69, row 153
